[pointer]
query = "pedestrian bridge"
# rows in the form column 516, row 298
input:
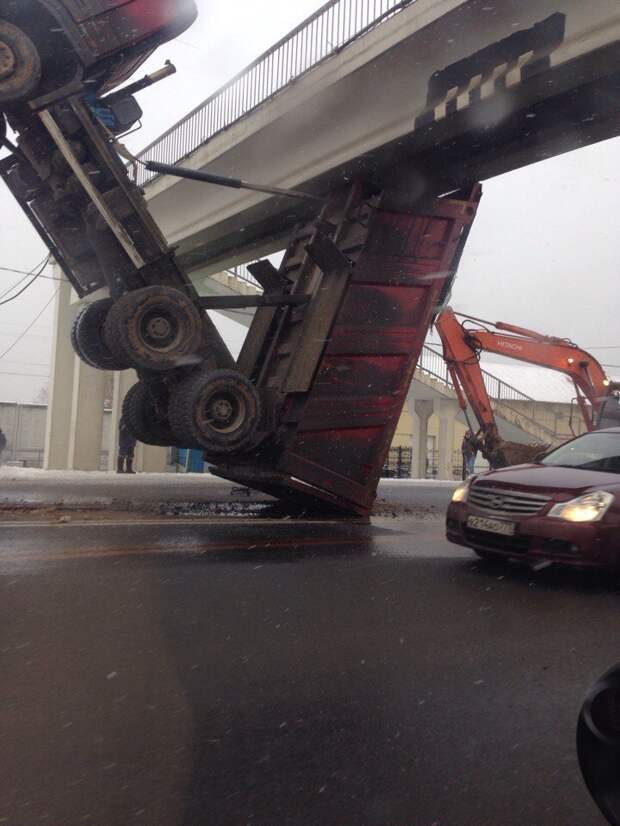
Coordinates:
column 422, row 94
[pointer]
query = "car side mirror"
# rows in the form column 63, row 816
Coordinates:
column 598, row 744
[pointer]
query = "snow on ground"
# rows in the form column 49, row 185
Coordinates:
column 18, row 474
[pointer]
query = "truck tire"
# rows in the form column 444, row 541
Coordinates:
column 220, row 410
column 20, row 64
column 155, row 328
column 87, row 337
column 142, row 420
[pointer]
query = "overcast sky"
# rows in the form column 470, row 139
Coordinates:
column 542, row 252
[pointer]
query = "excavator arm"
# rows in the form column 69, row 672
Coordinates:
column 589, row 378
column 465, row 337
column 464, row 367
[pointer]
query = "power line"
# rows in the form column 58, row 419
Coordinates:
column 604, row 347
column 28, row 285
column 15, row 286
column 29, row 327
column 24, row 272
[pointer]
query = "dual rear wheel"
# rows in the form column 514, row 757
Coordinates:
column 158, row 331
column 216, row 411
column 153, row 328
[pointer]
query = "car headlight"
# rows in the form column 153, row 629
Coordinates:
column 460, row 494
column 587, row 508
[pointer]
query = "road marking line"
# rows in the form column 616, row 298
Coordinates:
column 204, row 521
column 195, row 550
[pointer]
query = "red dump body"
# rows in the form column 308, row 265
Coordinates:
column 336, row 435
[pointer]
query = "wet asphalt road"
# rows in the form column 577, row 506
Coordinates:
column 265, row 674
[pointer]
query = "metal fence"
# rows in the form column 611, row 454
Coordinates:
column 243, row 274
column 398, row 463
column 323, row 34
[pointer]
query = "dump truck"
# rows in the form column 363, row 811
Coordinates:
column 308, row 410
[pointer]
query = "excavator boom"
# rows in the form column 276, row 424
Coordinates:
column 465, row 337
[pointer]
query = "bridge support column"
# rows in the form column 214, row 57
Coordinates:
column 86, row 423
column 447, row 410
column 423, row 410
column 58, row 424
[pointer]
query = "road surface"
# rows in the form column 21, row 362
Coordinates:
column 261, row 672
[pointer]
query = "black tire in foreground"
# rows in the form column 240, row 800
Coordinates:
column 220, row 410
column 598, row 743
column 20, row 64
column 143, row 420
column 87, row 337
column 155, row 328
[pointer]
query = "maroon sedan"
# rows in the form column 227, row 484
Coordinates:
column 564, row 509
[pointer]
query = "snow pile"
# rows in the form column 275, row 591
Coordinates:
column 19, row 474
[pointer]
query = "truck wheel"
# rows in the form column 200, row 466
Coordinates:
column 219, row 410
column 142, row 419
column 155, row 328
column 87, row 337
column 20, row 64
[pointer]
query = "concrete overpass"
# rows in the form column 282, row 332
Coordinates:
column 418, row 94
column 425, row 94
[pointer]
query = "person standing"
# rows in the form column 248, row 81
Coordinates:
column 2, row 444
column 469, row 448
column 126, row 449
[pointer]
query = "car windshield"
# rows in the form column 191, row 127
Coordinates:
column 593, row 451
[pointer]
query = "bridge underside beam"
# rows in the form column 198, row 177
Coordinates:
column 542, row 116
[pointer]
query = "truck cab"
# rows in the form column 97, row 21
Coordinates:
column 102, row 42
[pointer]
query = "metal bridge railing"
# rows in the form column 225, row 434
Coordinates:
column 243, row 274
column 431, row 362
column 324, row 33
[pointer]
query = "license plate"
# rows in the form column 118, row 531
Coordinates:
column 481, row 523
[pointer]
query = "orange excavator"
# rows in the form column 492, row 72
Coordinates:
column 465, row 337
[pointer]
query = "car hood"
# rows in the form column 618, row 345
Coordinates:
column 545, row 479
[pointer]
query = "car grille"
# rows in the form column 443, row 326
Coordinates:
column 496, row 542
column 498, row 500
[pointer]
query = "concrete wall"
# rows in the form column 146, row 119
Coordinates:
column 24, row 428
column 556, row 416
